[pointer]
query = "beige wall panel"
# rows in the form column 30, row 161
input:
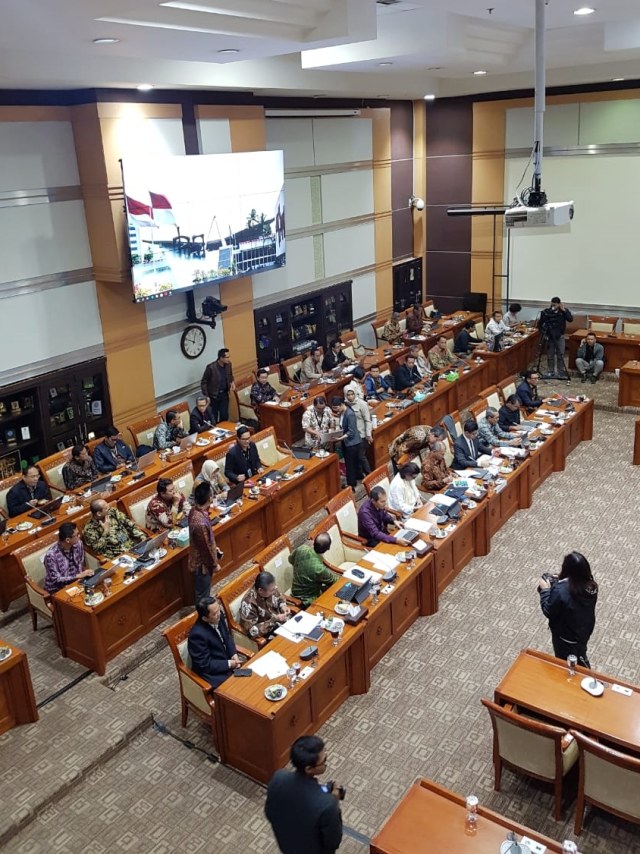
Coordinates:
column 237, row 323
column 248, row 134
column 482, row 278
column 35, row 114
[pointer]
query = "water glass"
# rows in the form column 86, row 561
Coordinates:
column 107, row 586
column 572, row 660
column 291, row 676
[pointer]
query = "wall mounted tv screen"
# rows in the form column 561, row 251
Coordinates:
column 200, row 219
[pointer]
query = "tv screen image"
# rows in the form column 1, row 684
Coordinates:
column 202, row 219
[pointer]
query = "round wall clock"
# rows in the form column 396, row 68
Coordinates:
column 193, row 342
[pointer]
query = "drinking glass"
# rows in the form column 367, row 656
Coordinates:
column 107, row 586
column 335, row 632
column 572, row 660
column 291, row 676
column 296, row 671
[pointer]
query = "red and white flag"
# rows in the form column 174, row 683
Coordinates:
column 139, row 213
column 161, row 209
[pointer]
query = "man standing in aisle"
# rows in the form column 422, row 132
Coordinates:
column 365, row 428
column 217, row 382
column 351, row 439
column 552, row 324
column 203, row 552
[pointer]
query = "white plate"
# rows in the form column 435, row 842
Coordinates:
column 333, row 624
column 24, row 526
column 5, row 652
column 116, row 478
column 280, row 696
column 322, row 454
column 160, row 553
column 271, row 402
column 202, row 442
column 96, row 599
column 285, row 404
column 341, row 608
column 173, row 535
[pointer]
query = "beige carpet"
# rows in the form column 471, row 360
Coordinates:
column 422, row 715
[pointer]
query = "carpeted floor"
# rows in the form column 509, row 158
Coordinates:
column 422, row 716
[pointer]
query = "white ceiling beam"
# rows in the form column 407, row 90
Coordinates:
column 261, row 10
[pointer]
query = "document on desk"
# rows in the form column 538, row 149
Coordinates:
column 380, row 560
column 299, row 626
column 512, row 452
column 419, row 525
column 271, row 664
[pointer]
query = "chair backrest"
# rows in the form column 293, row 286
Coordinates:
column 631, row 326
column 529, row 744
column 385, row 370
column 275, row 559
column 335, row 555
column 602, row 323
column 219, row 455
column 292, row 368
column 231, row 596
column 181, row 408
column 508, row 387
column 265, row 441
column 243, row 398
column 480, row 329
column 349, row 351
column 608, row 778
column 177, row 636
column 30, row 557
column 492, row 396
column 378, row 328
column 477, row 409
column 5, row 486
column 142, row 431
column 427, row 308
column 274, row 379
column 51, row 468
column 448, row 450
column 342, row 506
column 135, row 503
column 378, row 477
column 350, row 337
column 403, row 325
column 450, row 342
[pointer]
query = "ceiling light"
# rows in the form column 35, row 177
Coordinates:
column 381, row 64
column 479, row 73
column 106, row 41
column 229, row 50
column 429, row 97
column 584, row 10
column 145, row 87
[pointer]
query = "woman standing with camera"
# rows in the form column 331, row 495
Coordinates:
column 568, row 601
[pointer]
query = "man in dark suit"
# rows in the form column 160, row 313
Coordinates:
column 351, row 438
column 334, row 357
column 202, row 417
column 217, row 382
column 213, row 652
column 112, row 452
column 27, row 493
column 467, row 448
column 407, row 375
column 305, row 817
column 527, row 391
column 242, row 460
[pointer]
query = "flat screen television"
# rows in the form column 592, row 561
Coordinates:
column 201, row 219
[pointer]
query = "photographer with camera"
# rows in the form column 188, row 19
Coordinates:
column 568, row 601
column 305, row 815
column 552, row 325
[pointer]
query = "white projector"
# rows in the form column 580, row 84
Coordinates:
column 551, row 214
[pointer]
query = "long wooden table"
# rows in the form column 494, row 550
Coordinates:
column 619, row 347
column 514, row 357
column 541, row 683
column 17, row 701
column 629, row 385
column 446, row 325
column 431, row 819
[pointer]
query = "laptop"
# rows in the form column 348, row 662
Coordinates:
column 188, row 441
column 301, row 452
column 97, row 577
column 407, row 536
column 147, row 459
column 278, row 474
column 497, row 342
column 357, row 593
column 234, row 493
column 453, row 512
column 101, row 485
column 143, row 550
column 47, row 509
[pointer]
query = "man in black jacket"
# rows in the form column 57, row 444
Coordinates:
column 552, row 324
column 202, row 417
column 407, row 375
column 305, row 818
column 217, row 381
column 213, row 652
column 112, row 452
column 242, row 460
column 527, row 391
column 30, row 489
column 509, row 414
column 334, row 357
column 468, row 447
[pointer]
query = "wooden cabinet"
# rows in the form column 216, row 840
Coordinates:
column 407, row 284
column 293, row 326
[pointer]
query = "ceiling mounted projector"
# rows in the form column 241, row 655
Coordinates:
column 551, row 214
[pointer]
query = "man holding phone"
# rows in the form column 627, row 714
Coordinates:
column 305, row 816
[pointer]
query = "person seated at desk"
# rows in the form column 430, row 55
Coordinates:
column 28, row 492
column 64, row 561
column 374, row 519
column 377, row 387
column 201, row 417
column 311, row 368
column 468, row 447
column 422, row 363
column 211, row 646
column 510, row 319
column 166, row 508
column 436, row 474
column 310, row 575
column 415, row 320
column 169, row 432
column 318, row 420
column 80, row 469
column 109, row 532
column 439, row 355
column 334, row 357
column 590, row 358
column 242, row 460
column 465, row 340
column 112, row 452
column 262, row 391
column 509, row 414
column 495, row 328
column 527, row 391
column 491, row 433
column 391, row 331
column 356, row 384
column 406, row 375
column 263, row 608
column 403, row 491
column 210, row 473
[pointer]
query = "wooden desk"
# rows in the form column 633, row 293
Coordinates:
column 540, row 683
column 431, row 819
column 17, row 702
column 298, row 498
column 287, row 420
column 391, row 423
column 629, row 386
column 514, row 358
column 619, row 348
column 449, row 323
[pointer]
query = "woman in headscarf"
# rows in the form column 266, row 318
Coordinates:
column 210, row 473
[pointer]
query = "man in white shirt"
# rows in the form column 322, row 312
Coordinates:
column 356, row 384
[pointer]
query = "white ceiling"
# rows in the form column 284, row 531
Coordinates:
column 313, row 47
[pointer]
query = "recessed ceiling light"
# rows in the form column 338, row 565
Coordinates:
column 381, row 64
column 584, row 10
column 429, row 97
column 617, row 79
column 229, row 50
column 106, row 41
column 145, row 87
column 479, row 73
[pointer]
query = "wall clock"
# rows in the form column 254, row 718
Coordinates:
column 193, row 342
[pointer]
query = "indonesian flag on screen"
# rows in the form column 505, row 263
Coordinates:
column 139, row 213
column 162, row 210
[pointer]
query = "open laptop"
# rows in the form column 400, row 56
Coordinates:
column 278, row 474
column 188, row 441
column 301, row 452
column 97, row 577
column 101, row 485
column 351, row 592
column 144, row 549
column 147, row 459
column 497, row 342
column 407, row 536
column 46, row 509
column 452, row 511
column 234, row 493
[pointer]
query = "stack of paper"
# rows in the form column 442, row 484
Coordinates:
column 419, row 525
column 380, row 561
column 512, row 452
column 271, row 664
column 298, row 626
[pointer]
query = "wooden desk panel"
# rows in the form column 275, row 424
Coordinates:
column 629, row 386
column 513, row 359
column 17, row 701
column 287, row 420
column 388, row 429
column 618, row 348
column 249, row 529
column 431, row 819
column 301, row 496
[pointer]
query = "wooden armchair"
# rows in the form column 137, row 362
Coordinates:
column 5, row 486
column 427, row 308
column 631, row 325
column 602, row 323
column 269, row 451
column 536, row 748
column 181, row 408
column 275, row 381
column 608, row 779
column 491, row 396
column 508, row 387
column 51, row 468
column 378, row 477
column 275, row 559
column 243, row 399
column 230, row 597
column 135, row 503
column 142, row 431
column 343, row 507
column 477, row 409
column 345, row 551
column 292, row 369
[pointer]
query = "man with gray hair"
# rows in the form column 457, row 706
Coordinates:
column 491, row 433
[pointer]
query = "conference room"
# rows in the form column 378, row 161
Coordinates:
column 397, row 700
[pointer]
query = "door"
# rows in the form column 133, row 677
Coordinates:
column 61, row 411
column 407, row 284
